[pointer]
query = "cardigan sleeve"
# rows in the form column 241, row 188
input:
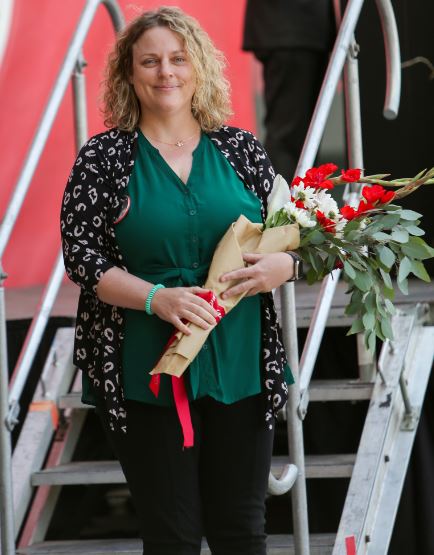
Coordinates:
column 84, row 217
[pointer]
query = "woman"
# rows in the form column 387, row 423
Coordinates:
column 145, row 205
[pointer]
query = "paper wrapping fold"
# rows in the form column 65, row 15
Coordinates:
column 243, row 236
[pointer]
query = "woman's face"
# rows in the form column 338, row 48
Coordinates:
column 162, row 75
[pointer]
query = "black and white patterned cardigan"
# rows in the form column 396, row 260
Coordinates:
column 90, row 204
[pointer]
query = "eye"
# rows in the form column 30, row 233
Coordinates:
column 180, row 59
column 149, row 62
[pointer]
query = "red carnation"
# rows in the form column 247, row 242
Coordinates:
column 348, row 212
column 387, row 197
column 326, row 223
column 339, row 265
column 364, row 207
column 300, row 204
column 351, row 175
column 297, row 180
column 327, row 169
column 327, row 184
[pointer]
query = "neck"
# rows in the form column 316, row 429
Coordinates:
column 170, row 128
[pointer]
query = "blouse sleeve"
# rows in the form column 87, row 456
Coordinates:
column 84, row 217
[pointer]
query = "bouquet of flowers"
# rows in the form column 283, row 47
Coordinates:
column 366, row 241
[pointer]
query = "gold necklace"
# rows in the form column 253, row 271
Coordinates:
column 178, row 143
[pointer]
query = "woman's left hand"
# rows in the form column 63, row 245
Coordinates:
column 264, row 273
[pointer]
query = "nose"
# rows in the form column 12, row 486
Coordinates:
column 165, row 68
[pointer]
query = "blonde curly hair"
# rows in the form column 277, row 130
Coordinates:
column 210, row 104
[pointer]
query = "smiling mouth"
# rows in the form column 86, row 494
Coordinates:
column 166, row 87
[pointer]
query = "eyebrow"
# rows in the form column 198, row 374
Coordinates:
column 171, row 53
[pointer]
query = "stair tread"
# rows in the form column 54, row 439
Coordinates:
column 110, row 472
column 340, row 390
column 321, row 544
column 319, row 390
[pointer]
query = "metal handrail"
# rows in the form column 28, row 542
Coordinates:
column 298, row 397
column 316, row 129
column 8, row 417
column 50, row 112
column 73, row 64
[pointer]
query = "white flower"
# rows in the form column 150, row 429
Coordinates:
column 298, row 215
column 305, row 194
column 327, row 205
column 279, row 195
column 340, row 226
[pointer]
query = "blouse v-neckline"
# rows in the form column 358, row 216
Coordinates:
column 163, row 162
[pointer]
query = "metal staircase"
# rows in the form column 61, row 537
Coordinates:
column 394, row 385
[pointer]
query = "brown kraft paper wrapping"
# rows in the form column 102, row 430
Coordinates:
column 243, row 236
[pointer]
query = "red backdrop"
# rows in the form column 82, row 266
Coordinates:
column 39, row 37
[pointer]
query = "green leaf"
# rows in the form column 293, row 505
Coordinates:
column 404, row 269
column 417, row 248
column 356, row 327
column 400, row 235
column 388, row 293
column 369, row 301
column 317, row 237
column 389, row 221
column 363, row 281
column 418, row 269
column 369, row 320
column 386, row 256
column 403, row 286
column 311, row 276
column 390, row 306
column 381, row 236
column 353, row 308
column 414, row 230
column 378, row 331
column 386, row 278
column 370, row 341
column 386, row 328
column 410, row 215
column 349, row 270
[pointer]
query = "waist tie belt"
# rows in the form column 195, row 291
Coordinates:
column 182, row 277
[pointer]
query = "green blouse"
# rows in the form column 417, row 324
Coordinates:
column 169, row 236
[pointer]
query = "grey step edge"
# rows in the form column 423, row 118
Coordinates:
column 321, row 544
column 110, row 472
column 319, row 390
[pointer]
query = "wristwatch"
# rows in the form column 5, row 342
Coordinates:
column 298, row 266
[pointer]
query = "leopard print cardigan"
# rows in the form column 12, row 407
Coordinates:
column 90, row 205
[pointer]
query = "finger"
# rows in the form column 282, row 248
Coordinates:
column 238, row 289
column 206, row 312
column 195, row 319
column 250, row 257
column 179, row 325
column 242, row 273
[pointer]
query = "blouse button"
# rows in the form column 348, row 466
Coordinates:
column 192, row 212
column 195, row 264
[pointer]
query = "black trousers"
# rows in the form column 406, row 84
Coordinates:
column 215, row 489
column 292, row 81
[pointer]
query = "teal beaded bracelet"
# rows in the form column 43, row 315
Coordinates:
column 150, row 296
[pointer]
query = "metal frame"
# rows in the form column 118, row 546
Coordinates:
column 73, row 62
column 344, row 49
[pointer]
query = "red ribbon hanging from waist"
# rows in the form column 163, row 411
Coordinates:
column 178, row 384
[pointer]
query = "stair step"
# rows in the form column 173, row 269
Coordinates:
column 72, row 401
column 110, row 472
column 319, row 390
column 321, row 544
column 340, row 390
column 320, row 466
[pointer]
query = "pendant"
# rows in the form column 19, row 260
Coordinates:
column 179, row 143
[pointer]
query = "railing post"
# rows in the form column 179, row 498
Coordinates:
column 353, row 122
column 7, row 525
column 294, row 424
column 80, row 104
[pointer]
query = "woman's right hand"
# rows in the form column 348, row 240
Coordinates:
column 174, row 304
